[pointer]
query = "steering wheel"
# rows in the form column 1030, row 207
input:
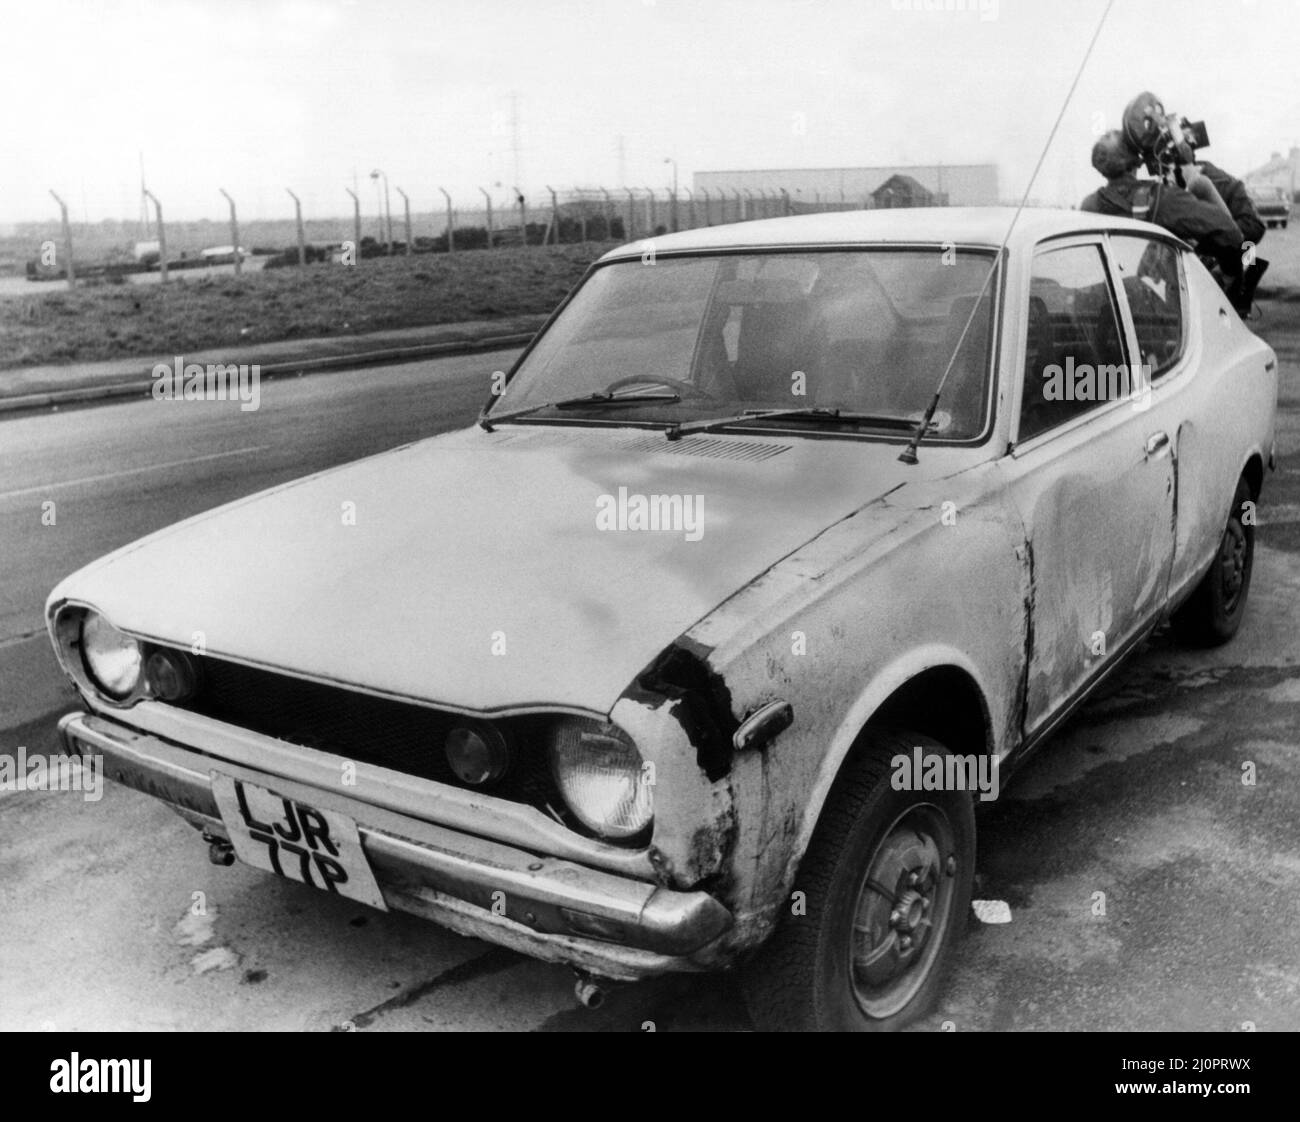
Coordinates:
column 687, row 389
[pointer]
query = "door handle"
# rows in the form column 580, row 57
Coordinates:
column 1157, row 442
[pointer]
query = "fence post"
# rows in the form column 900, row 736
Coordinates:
column 705, row 195
column 234, row 232
column 388, row 214
column 785, row 198
column 162, row 235
column 406, row 207
column 631, row 214
column 451, row 222
column 650, row 209
column 609, row 215
column 302, row 240
column 555, row 215
column 67, row 241
column 523, row 216
column 356, row 223
column 488, row 197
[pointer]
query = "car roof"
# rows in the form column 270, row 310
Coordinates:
column 937, row 225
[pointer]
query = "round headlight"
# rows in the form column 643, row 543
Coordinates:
column 599, row 772
column 477, row 754
column 171, row 675
column 113, row 659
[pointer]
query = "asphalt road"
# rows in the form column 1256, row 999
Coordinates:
column 1140, row 799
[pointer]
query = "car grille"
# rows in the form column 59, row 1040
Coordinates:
column 392, row 734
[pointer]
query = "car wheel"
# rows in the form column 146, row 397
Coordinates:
column 886, row 887
column 1213, row 613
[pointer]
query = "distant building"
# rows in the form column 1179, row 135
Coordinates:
column 945, row 184
column 1280, row 171
column 903, row 190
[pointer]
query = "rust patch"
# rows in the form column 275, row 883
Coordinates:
column 1029, row 635
column 701, row 702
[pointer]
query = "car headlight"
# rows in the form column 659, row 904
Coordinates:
column 113, row 659
column 600, row 774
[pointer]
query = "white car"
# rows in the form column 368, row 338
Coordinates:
column 700, row 648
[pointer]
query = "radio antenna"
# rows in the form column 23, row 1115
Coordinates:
column 908, row 454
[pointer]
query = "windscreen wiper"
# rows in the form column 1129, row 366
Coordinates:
column 487, row 420
column 879, row 420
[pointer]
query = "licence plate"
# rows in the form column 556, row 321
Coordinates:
column 321, row 848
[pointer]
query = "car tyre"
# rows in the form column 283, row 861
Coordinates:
column 1213, row 613
column 886, row 884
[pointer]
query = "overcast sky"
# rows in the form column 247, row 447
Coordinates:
column 259, row 95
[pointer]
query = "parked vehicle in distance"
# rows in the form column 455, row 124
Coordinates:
column 1273, row 205
column 695, row 653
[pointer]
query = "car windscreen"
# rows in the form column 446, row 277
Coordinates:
column 866, row 331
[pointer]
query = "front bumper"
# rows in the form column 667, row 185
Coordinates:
column 555, row 910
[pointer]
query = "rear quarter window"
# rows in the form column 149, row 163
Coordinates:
column 1156, row 289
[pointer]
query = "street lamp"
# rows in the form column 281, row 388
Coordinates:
column 670, row 160
column 376, row 175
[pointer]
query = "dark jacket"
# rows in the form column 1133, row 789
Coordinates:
column 1234, row 193
column 1178, row 211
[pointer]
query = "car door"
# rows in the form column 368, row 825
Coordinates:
column 1091, row 473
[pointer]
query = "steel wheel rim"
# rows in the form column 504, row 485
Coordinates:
column 1232, row 564
column 903, row 906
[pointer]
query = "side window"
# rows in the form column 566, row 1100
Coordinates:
column 1154, row 285
column 1074, row 352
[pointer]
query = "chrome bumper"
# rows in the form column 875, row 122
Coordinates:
column 555, row 909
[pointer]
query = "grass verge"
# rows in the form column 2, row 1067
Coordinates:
column 107, row 321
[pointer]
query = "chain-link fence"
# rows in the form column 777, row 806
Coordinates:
column 498, row 218
column 626, row 214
